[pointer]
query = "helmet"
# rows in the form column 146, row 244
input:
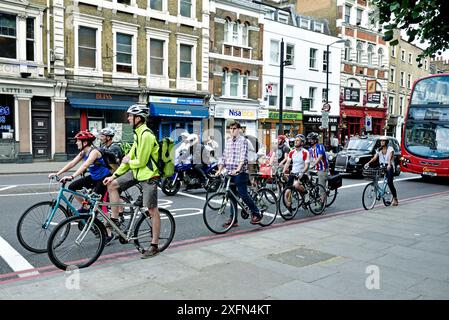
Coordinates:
column 193, row 138
column 107, row 132
column 312, row 136
column 282, row 137
column 301, row 136
column 85, row 135
column 139, row 110
column 185, row 134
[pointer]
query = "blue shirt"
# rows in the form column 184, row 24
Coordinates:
column 98, row 170
column 322, row 165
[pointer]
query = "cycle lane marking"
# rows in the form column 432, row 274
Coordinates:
column 15, row 260
column 8, row 187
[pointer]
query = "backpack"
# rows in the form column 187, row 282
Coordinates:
column 109, row 158
column 163, row 156
column 125, row 147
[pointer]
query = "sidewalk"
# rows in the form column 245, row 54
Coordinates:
column 35, row 167
column 387, row 253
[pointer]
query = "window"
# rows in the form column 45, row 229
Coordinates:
column 391, row 104
column 409, row 81
column 30, row 39
column 325, row 60
column 359, row 52
column 348, row 50
column 156, row 4
column 124, row 52
column 393, row 51
column 87, row 47
column 324, row 95
column 410, row 58
column 273, row 98
column 289, row 96
column 370, row 54
column 186, row 8
column 274, row 52
column 156, row 57
column 359, row 16
column 425, row 64
column 304, row 23
column 312, row 60
column 392, row 75
column 318, row 26
column 236, row 33
column 403, row 55
column 245, row 34
column 401, row 104
column 185, row 61
column 8, row 36
column 224, row 82
column 380, row 60
column 347, row 13
column 235, row 75
column 128, row 2
column 312, row 92
column 245, row 86
column 290, row 53
column 283, row 18
column 402, row 79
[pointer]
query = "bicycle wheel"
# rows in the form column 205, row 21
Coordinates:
column 266, row 201
column 369, row 196
column 289, row 203
column 214, row 185
column 70, row 245
column 317, row 199
column 144, row 231
column 331, row 195
column 388, row 196
column 31, row 230
column 218, row 209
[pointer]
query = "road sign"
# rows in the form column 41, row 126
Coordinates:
column 326, row 107
column 325, row 120
column 368, row 123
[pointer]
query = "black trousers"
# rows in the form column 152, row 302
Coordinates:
column 390, row 175
column 89, row 183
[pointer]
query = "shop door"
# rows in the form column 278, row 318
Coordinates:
column 41, row 128
column 72, row 127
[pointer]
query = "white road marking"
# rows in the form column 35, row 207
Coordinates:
column 15, row 260
column 365, row 183
column 6, row 188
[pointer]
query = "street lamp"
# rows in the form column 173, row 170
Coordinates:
column 281, row 85
column 327, row 79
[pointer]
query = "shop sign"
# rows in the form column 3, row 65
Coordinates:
column 374, row 97
column 318, row 119
column 286, row 115
column 5, row 118
column 15, row 90
column 351, row 94
column 263, row 113
column 235, row 113
column 171, row 100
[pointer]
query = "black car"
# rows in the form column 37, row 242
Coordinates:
column 359, row 150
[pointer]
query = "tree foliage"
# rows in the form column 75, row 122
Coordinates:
column 423, row 20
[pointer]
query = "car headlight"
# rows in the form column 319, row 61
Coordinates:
column 356, row 159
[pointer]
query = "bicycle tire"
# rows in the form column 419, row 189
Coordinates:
column 38, row 246
column 175, row 186
column 97, row 234
column 331, row 195
column 315, row 195
column 370, row 193
column 266, row 201
column 286, row 213
column 215, row 216
column 167, row 231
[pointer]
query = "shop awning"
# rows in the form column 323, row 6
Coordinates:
column 178, row 110
column 100, row 104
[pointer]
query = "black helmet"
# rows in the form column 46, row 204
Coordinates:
column 312, row 136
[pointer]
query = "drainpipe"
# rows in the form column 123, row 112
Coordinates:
column 48, row 37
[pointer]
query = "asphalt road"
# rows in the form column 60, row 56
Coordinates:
column 18, row 192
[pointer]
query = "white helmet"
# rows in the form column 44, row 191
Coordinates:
column 107, row 132
column 193, row 138
column 139, row 110
column 184, row 135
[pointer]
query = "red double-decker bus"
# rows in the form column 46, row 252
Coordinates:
column 425, row 138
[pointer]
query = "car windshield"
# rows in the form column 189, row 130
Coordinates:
column 428, row 140
column 360, row 144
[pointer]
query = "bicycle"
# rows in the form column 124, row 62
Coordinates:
column 314, row 198
column 216, row 214
column 332, row 184
column 78, row 241
column 37, row 222
column 373, row 192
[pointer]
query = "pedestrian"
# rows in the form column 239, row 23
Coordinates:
column 235, row 161
column 334, row 144
column 385, row 154
column 138, row 167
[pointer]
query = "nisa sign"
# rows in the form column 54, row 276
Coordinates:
column 242, row 113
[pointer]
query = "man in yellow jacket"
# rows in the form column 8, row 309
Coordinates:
column 138, row 167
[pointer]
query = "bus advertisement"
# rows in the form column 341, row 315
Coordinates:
column 425, row 138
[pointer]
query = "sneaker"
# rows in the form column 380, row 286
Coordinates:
column 227, row 223
column 108, row 240
column 395, row 202
column 150, row 252
column 256, row 218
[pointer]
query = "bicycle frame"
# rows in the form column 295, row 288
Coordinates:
column 380, row 191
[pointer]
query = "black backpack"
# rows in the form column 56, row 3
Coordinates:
column 109, row 158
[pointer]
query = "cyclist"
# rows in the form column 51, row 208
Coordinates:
column 300, row 158
column 106, row 136
column 283, row 150
column 93, row 162
column 235, row 160
column 385, row 154
column 139, row 167
column 318, row 158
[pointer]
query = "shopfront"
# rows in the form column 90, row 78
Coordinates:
column 94, row 111
column 360, row 120
column 292, row 123
column 312, row 123
column 170, row 116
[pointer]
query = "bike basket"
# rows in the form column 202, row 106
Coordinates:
column 335, row 182
column 373, row 172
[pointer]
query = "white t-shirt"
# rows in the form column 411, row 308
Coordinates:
column 385, row 158
column 299, row 158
